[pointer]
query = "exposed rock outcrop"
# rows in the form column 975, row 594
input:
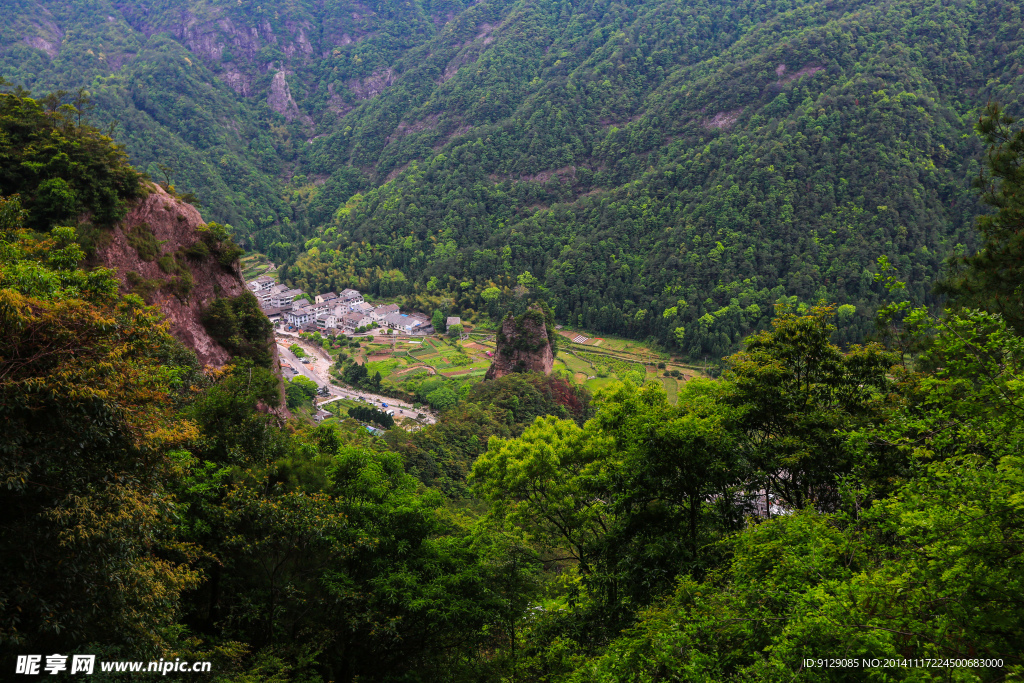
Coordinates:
column 524, row 345
column 373, row 85
column 47, row 35
column 337, row 103
column 280, row 100
column 148, row 248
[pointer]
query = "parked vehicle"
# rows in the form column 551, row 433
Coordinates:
column 383, row 404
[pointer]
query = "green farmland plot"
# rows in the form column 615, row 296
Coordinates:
column 577, row 365
column 671, row 388
column 384, row 367
column 623, row 370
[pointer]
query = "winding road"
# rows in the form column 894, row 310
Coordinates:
column 320, row 365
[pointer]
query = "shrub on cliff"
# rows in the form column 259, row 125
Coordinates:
column 238, row 324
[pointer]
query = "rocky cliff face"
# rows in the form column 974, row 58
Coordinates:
column 154, row 251
column 523, row 346
column 280, row 100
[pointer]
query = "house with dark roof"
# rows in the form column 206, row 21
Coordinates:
column 382, row 312
column 352, row 320
column 325, row 297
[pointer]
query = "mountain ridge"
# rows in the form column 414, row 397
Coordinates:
column 784, row 145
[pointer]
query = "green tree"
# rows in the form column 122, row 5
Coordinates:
column 931, row 571
column 992, row 278
column 542, row 483
column 88, row 548
column 799, row 393
column 685, row 477
column 239, row 325
column 61, row 169
column 300, row 391
column 442, row 398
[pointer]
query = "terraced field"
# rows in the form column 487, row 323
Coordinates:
column 406, row 365
column 601, row 365
column 610, row 365
column 256, row 265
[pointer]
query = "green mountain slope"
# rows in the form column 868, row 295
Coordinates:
column 662, row 169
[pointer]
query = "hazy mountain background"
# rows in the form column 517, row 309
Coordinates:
column 664, row 169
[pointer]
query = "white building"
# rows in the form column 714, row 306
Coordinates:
column 323, row 306
column 400, row 321
column 266, row 296
column 261, row 283
column 382, row 312
column 284, row 298
column 352, row 320
column 361, row 307
column 350, row 296
column 299, row 316
column 324, row 298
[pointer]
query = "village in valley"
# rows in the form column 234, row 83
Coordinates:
column 316, row 333
column 408, row 369
column 346, row 312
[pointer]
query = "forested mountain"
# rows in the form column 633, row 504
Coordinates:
column 669, row 169
column 817, row 513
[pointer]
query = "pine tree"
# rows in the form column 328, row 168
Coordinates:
column 993, row 278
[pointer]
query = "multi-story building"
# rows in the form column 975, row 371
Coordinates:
column 352, row 321
column 361, row 307
column 285, row 298
column 266, row 296
column 350, row 296
column 382, row 312
column 261, row 283
column 299, row 316
column 324, row 298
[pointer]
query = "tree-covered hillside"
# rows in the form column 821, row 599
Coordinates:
column 816, row 514
column 664, row 169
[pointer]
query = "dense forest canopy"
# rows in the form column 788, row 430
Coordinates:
column 661, row 169
column 814, row 503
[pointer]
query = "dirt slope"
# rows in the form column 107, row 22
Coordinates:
column 172, row 224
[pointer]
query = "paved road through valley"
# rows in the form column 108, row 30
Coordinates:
column 402, row 409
